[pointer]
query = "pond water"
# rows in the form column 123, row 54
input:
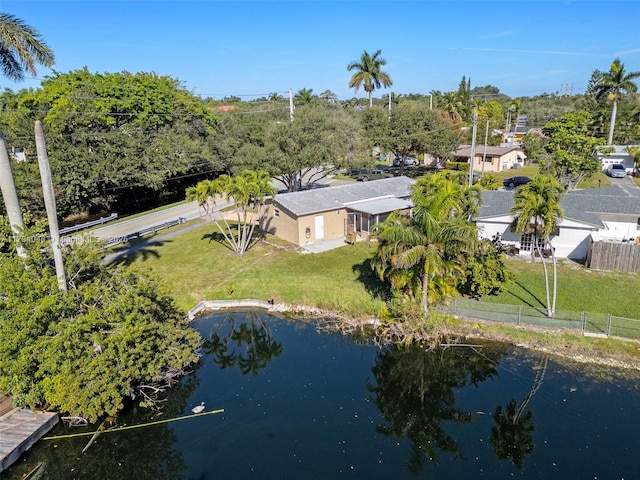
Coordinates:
column 304, row 404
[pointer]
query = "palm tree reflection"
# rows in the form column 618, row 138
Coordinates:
column 415, row 392
column 243, row 340
column 512, row 434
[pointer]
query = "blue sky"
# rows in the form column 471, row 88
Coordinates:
column 245, row 48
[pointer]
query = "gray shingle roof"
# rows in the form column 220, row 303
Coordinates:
column 583, row 206
column 329, row 198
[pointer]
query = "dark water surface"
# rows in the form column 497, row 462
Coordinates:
column 299, row 404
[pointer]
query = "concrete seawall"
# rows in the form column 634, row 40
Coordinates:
column 207, row 306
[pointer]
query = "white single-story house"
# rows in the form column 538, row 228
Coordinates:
column 610, row 214
column 328, row 213
column 495, row 159
column 620, row 155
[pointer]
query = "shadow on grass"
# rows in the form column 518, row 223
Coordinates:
column 129, row 254
column 218, row 237
column 372, row 284
column 525, row 300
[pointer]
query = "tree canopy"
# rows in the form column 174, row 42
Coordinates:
column 113, row 336
column 111, row 134
column 369, row 74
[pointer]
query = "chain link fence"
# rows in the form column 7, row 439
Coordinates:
column 587, row 323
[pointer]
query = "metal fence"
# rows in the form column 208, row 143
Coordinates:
column 586, row 323
column 81, row 226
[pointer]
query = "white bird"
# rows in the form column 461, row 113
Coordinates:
column 198, row 409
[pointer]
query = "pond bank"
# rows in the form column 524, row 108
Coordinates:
column 614, row 352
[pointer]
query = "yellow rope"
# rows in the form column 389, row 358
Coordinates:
column 128, row 427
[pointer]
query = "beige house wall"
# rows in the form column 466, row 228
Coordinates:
column 496, row 163
column 294, row 229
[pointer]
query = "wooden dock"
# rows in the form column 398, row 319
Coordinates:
column 19, row 430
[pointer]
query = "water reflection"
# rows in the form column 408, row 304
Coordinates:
column 415, row 391
column 242, row 340
column 512, row 434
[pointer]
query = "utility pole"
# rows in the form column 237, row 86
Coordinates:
column 50, row 205
column 472, row 155
column 291, row 107
column 486, row 139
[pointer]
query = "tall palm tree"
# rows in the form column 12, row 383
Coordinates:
column 21, row 48
column 424, row 254
column 612, row 85
column 536, row 210
column 369, row 74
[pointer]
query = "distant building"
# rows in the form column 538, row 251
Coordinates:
column 495, row 159
column 620, row 155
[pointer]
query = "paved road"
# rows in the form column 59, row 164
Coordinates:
column 129, row 226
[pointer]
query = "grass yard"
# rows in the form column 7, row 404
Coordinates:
column 195, row 266
column 579, row 289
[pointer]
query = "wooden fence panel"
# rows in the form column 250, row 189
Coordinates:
column 623, row 257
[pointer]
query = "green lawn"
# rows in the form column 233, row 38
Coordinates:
column 195, row 267
column 579, row 289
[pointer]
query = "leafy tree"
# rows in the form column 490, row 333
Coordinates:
column 247, row 191
column 113, row 336
column 534, row 144
column 412, row 128
column 537, row 211
column 613, row 85
column 301, row 152
column 571, row 149
column 369, row 74
column 113, row 136
column 486, row 272
column 424, row 254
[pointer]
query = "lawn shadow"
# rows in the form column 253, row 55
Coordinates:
column 372, row 284
column 525, row 300
column 129, row 254
column 218, row 237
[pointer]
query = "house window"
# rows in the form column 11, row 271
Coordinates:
column 276, row 213
column 526, row 242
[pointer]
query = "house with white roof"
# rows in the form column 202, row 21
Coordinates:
column 327, row 213
column 610, row 214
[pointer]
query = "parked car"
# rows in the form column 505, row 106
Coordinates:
column 408, row 161
column 516, row 181
column 616, row 170
column 372, row 174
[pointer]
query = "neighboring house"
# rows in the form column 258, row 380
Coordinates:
column 328, row 213
column 496, row 159
column 609, row 214
column 620, row 154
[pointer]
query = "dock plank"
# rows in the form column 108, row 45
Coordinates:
column 19, row 430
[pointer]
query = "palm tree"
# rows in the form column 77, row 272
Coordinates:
column 21, row 48
column 304, row 96
column 612, row 85
column 537, row 211
column 425, row 254
column 368, row 74
column 247, row 191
